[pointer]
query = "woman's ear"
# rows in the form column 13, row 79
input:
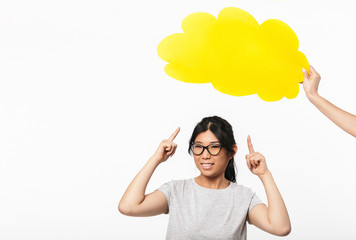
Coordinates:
column 234, row 147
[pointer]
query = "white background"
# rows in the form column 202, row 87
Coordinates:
column 84, row 102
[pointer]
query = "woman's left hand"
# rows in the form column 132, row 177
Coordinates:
column 256, row 162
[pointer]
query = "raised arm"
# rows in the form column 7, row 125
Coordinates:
column 134, row 202
column 274, row 217
column 341, row 118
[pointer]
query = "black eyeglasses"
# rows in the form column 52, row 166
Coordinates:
column 213, row 149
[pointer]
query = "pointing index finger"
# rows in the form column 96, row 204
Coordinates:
column 249, row 144
column 173, row 136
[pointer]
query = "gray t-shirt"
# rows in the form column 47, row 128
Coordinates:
column 197, row 213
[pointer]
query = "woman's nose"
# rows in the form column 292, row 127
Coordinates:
column 205, row 153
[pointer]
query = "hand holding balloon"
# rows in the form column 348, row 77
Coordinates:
column 341, row 118
column 311, row 82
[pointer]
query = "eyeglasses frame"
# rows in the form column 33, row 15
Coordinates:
column 207, row 148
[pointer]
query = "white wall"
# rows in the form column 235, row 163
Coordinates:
column 84, row 102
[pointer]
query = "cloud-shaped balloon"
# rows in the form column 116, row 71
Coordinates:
column 236, row 55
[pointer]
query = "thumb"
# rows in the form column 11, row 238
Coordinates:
column 305, row 73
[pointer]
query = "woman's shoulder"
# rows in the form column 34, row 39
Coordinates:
column 178, row 183
column 241, row 188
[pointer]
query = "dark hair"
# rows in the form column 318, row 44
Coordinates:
column 223, row 132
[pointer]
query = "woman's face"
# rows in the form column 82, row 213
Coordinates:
column 209, row 165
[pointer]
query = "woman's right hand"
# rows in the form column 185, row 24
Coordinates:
column 135, row 202
column 166, row 149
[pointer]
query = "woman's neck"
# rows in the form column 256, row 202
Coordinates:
column 213, row 183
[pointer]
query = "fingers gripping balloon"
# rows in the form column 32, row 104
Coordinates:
column 236, row 54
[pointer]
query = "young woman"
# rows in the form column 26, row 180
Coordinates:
column 212, row 205
column 341, row 118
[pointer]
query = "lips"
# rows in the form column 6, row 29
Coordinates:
column 207, row 166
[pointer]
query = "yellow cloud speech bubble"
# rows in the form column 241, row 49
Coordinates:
column 236, row 55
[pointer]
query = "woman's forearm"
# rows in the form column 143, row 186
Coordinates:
column 341, row 118
column 135, row 192
column 277, row 211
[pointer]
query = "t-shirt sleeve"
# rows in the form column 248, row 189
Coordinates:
column 167, row 191
column 255, row 200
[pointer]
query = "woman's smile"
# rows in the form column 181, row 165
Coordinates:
column 207, row 166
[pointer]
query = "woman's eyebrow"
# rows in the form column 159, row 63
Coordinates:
column 209, row 142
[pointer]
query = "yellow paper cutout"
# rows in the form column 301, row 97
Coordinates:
column 236, row 54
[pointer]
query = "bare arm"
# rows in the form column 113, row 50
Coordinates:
column 273, row 218
column 134, row 202
column 341, row 118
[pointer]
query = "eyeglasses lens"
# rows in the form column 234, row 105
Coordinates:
column 213, row 149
